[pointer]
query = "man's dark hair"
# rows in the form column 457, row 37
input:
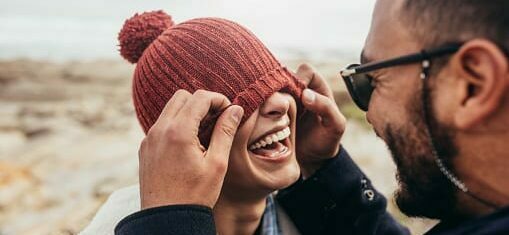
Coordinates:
column 436, row 22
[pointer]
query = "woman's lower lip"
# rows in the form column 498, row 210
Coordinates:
column 281, row 157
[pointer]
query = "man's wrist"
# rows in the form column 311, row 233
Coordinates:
column 162, row 200
column 311, row 169
column 173, row 219
column 308, row 169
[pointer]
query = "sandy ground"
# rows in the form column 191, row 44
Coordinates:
column 69, row 137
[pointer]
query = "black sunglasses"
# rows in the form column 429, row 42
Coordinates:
column 359, row 82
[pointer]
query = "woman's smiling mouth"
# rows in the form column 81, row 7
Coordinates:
column 274, row 146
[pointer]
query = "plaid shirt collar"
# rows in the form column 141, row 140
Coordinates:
column 270, row 225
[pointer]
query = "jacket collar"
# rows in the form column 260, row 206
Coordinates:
column 494, row 223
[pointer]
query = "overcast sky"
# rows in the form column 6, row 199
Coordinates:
column 65, row 29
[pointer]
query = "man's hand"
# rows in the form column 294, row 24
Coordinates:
column 319, row 131
column 174, row 167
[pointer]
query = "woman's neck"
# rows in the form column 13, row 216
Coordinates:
column 234, row 216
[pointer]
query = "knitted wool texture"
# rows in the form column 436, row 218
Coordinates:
column 207, row 53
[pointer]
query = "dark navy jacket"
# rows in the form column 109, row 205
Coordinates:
column 338, row 199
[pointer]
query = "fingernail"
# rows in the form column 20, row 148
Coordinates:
column 237, row 113
column 309, row 96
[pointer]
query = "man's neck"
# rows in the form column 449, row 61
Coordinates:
column 483, row 168
column 234, row 216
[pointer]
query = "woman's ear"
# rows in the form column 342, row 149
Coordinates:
column 482, row 70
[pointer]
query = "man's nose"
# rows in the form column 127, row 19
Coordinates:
column 275, row 106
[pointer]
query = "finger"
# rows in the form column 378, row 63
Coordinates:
column 223, row 134
column 305, row 72
column 313, row 80
column 324, row 107
column 200, row 104
column 175, row 104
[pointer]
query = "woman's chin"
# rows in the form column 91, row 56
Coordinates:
column 281, row 178
column 262, row 176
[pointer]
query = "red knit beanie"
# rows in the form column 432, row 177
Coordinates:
column 206, row 53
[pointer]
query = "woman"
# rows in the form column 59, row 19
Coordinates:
column 221, row 56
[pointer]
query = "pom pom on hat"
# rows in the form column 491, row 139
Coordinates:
column 140, row 31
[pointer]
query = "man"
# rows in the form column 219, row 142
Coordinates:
column 434, row 82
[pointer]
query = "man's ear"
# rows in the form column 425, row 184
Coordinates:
column 483, row 77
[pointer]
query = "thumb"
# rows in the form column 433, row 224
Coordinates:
column 224, row 132
column 324, row 107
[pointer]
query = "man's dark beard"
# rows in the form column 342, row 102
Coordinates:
column 424, row 191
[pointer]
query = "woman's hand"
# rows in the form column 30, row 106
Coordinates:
column 174, row 167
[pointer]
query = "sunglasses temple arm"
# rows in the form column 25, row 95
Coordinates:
column 409, row 59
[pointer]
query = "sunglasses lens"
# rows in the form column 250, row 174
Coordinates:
column 360, row 88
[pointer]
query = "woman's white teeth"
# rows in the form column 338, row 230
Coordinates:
column 271, row 138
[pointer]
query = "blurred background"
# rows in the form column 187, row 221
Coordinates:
column 68, row 132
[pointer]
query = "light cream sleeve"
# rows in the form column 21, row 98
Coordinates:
column 120, row 204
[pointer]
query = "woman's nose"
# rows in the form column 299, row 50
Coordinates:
column 275, row 106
